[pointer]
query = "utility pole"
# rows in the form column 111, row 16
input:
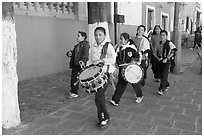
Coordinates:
column 177, row 36
column 115, row 24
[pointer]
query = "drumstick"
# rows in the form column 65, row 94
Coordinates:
column 123, row 64
column 76, row 82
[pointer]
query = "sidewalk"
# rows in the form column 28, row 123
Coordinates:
column 177, row 112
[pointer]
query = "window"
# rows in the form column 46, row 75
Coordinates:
column 150, row 20
column 150, row 17
column 165, row 21
column 187, row 23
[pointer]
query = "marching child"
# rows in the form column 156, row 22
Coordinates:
column 102, row 52
column 143, row 46
column 155, row 42
column 126, row 53
column 164, row 53
column 78, row 55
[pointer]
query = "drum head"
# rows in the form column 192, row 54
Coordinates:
column 89, row 72
column 133, row 73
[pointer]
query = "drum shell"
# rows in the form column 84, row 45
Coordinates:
column 93, row 83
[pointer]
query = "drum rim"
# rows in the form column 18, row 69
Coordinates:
column 123, row 73
column 91, row 78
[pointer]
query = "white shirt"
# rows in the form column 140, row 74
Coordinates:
column 110, row 58
column 172, row 46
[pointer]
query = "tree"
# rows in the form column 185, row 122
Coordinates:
column 10, row 105
column 97, row 16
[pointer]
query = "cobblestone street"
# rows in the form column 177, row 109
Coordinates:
column 178, row 112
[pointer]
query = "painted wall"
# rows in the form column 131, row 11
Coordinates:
column 189, row 9
column 132, row 12
column 42, row 43
column 160, row 7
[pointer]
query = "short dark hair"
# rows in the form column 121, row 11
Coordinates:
column 142, row 27
column 83, row 34
column 126, row 36
column 164, row 31
column 101, row 29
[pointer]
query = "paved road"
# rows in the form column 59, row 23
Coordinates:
column 177, row 112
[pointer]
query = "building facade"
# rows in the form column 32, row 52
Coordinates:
column 47, row 30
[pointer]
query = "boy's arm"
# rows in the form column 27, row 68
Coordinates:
column 85, row 52
column 172, row 50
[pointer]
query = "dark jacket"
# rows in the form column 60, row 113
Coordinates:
column 79, row 53
column 165, row 50
column 126, row 55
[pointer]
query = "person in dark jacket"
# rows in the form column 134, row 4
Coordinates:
column 198, row 38
column 126, row 53
column 79, row 57
column 164, row 52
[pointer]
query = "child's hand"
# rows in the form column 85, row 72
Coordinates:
column 164, row 61
column 160, row 59
column 69, row 53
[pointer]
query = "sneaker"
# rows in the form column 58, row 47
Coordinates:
column 167, row 88
column 74, row 95
column 103, row 123
column 113, row 103
column 157, row 80
column 139, row 99
column 160, row 92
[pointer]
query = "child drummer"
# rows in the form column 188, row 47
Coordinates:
column 126, row 53
column 102, row 52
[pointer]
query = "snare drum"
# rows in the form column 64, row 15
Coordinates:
column 92, row 78
column 132, row 73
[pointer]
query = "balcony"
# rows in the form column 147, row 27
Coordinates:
column 49, row 9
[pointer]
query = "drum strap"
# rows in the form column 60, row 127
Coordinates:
column 104, row 52
column 108, row 67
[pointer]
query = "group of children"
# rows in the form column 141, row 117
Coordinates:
column 135, row 50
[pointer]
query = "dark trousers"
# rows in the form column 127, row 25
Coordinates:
column 155, row 65
column 172, row 65
column 74, row 74
column 101, row 103
column 164, row 71
column 121, row 85
column 144, row 64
